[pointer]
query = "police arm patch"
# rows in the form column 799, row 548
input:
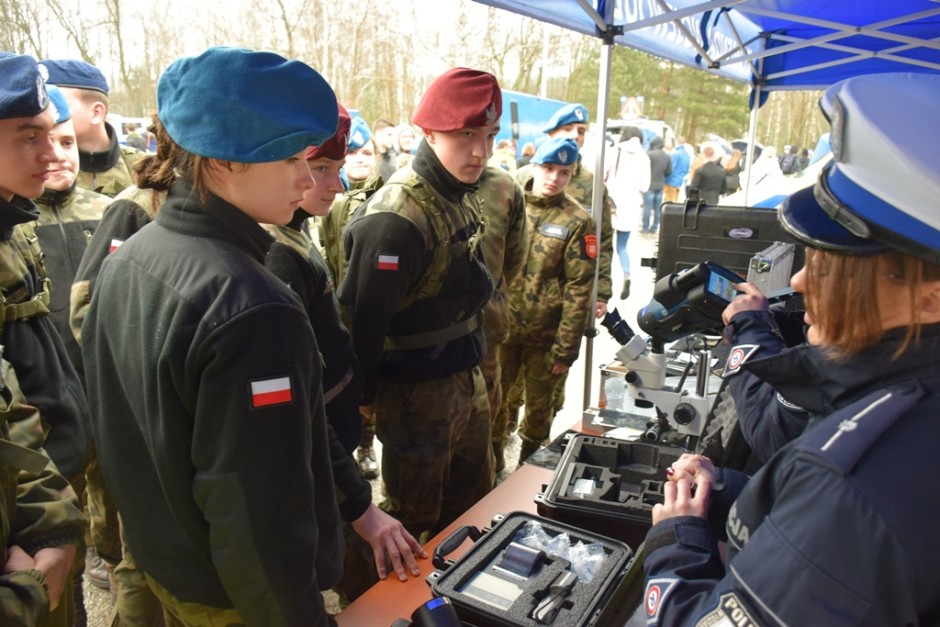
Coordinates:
column 656, row 592
column 737, row 358
column 589, row 246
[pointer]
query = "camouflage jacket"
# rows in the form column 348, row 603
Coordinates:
column 581, row 188
column 67, row 221
column 110, row 171
column 416, row 284
column 551, row 300
column 330, row 227
column 128, row 213
column 38, row 508
column 505, row 243
column 33, row 345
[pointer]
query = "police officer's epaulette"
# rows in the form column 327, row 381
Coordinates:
column 840, row 440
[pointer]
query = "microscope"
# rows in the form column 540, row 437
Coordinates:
column 685, row 303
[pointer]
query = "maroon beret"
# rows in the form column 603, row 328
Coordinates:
column 334, row 147
column 459, row 98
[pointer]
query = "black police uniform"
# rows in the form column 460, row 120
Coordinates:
column 838, row 528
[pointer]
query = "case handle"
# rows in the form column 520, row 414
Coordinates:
column 450, row 544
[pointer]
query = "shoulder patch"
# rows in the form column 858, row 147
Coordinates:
column 843, row 437
column 387, row 262
column 656, row 592
column 730, row 611
column 737, row 358
column 589, row 245
column 115, row 244
column 274, row 391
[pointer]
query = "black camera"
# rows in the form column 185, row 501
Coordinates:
column 438, row 612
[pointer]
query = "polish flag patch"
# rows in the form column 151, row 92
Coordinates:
column 115, row 244
column 269, row 392
column 387, row 262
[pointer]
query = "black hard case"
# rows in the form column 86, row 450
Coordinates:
column 627, row 478
column 619, row 577
column 729, row 236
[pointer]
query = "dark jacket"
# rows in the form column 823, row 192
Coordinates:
column 840, row 512
column 67, row 221
column 295, row 260
column 33, row 346
column 710, row 181
column 390, row 244
column 203, row 373
column 660, row 164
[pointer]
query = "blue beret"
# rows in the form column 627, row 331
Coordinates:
column 557, row 151
column 74, row 73
column 22, row 92
column 359, row 134
column 59, row 104
column 568, row 114
column 879, row 192
column 245, row 106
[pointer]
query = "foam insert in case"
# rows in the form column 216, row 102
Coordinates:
column 499, row 582
column 608, row 486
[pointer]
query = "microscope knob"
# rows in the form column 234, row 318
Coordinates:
column 631, row 376
column 684, row 413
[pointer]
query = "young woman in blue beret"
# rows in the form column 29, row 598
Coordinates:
column 203, row 371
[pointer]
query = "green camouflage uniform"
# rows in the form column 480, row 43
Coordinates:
column 330, row 235
column 38, row 510
column 550, row 306
column 414, row 294
column 110, row 171
column 581, row 188
column 505, row 242
column 135, row 604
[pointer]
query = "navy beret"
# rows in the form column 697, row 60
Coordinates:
column 568, row 114
column 879, row 192
column 557, row 151
column 22, row 92
column 359, row 133
column 245, row 106
column 59, row 104
column 74, row 73
column 460, row 98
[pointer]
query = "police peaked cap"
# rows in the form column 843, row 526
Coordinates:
column 74, row 73
column 245, row 106
column 460, row 98
column 335, row 147
column 22, row 92
column 568, row 114
column 880, row 190
column 557, row 151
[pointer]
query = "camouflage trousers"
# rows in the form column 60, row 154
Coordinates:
column 529, row 368
column 135, row 603
column 184, row 614
column 489, row 366
column 436, row 454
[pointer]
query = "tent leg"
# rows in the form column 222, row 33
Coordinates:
column 597, row 200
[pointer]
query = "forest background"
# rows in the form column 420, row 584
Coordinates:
column 380, row 55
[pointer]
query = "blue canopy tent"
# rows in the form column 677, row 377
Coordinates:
column 769, row 44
